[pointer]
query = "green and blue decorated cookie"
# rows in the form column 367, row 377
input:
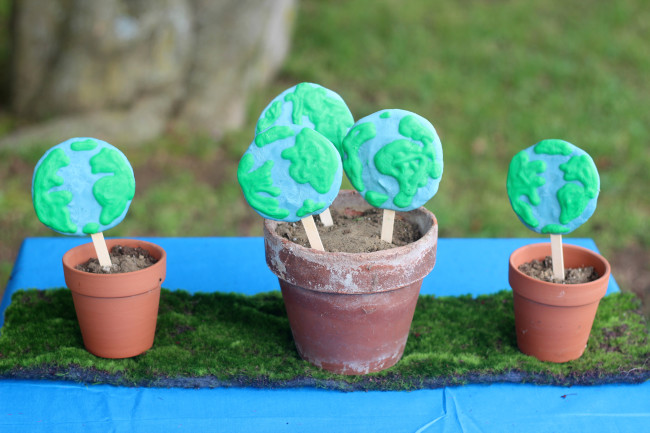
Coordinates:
column 309, row 105
column 394, row 159
column 290, row 172
column 82, row 186
column 553, row 186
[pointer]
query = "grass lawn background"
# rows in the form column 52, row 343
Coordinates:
column 493, row 78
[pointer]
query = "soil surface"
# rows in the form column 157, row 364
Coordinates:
column 124, row 259
column 354, row 232
column 543, row 270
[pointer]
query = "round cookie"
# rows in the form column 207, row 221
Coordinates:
column 553, row 186
column 82, row 186
column 394, row 159
column 311, row 105
column 290, row 172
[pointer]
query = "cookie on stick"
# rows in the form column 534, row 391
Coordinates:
column 553, row 188
column 290, row 173
column 82, row 187
column 394, row 159
column 309, row 105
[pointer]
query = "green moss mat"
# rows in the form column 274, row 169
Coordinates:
column 216, row 339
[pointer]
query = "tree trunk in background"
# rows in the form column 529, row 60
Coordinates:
column 124, row 70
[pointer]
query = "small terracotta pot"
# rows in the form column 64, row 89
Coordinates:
column 553, row 321
column 117, row 313
column 350, row 313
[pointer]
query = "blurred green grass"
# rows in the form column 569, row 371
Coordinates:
column 493, row 78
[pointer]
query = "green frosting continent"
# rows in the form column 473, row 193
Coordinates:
column 51, row 207
column 273, row 134
column 91, row 228
column 411, row 127
column 376, row 198
column 114, row 192
column 309, row 206
column 409, row 164
column 330, row 116
column 88, row 144
column 574, row 198
column 523, row 180
column 555, row 229
column 255, row 182
column 313, row 160
column 582, row 169
column 553, row 147
column 350, row 152
column 270, row 116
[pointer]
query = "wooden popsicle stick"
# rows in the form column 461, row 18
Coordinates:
column 387, row 223
column 326, row 218
column 101, row 249
column 312, row 233
column 558, row 257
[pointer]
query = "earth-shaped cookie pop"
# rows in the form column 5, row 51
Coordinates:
column 553, row 186
column 394, row 159
column 310, row 105
column 82, row 186
column 290, row 172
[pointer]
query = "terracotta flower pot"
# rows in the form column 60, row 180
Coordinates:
column 553, row 321
column 350, row 313
column 117, row 313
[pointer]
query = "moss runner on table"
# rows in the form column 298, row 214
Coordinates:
column 217, row 339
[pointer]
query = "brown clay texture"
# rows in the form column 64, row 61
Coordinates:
column 117, row 313
column 350, row 313
column 553, row 321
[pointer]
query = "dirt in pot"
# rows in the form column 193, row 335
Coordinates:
column 123, row 259
column 543, row 270
column 354, row 232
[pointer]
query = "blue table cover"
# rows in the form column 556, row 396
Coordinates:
column 464, row 266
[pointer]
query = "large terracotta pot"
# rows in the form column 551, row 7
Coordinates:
column 553, row 321
column 117, row 313
column 350, row 313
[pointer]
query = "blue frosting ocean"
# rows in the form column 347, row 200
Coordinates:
column 548, row 211
column 386, row 123
column 292, row 194
column 79, row 180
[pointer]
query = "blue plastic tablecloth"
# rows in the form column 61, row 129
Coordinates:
column 237, row 264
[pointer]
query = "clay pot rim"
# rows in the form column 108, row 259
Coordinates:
column 271, row 225
column 558, row 294
column 110, row 243
column 353, row 273
column 565, row 247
